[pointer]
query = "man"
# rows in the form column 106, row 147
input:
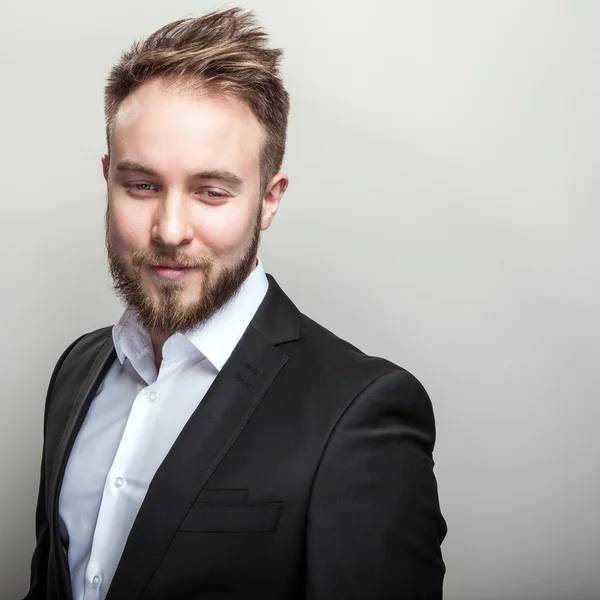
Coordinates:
column 216, row 443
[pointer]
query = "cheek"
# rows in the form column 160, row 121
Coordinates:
column 126, row 226
column 228, row 233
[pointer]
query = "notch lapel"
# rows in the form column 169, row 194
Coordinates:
column 202, row 444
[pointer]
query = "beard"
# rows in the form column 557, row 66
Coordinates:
column 168, row 315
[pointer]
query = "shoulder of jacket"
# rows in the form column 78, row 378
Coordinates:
column 331, row 357
column 91, row 341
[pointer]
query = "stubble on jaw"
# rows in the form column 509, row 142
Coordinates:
column 167, row 315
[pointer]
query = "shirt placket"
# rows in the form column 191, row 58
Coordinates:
column 118, row 507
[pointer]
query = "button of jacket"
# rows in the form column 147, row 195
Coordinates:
column 152, row 396
column 119, row 481
column 96, row 580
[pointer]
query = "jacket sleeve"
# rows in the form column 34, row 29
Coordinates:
column 374, row 525
column 40, row 560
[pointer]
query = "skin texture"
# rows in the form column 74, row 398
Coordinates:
column 200, row 207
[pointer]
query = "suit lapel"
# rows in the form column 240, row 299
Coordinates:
column 204, row 441
column 66, row 414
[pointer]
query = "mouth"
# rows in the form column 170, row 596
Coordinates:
column 170, row 271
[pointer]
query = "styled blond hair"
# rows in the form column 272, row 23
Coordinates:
column 222, row 52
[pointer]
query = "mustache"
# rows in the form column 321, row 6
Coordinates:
column 156, row 259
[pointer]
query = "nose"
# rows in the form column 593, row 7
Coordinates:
column 172, row 227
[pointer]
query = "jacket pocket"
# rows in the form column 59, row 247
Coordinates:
column 218, row 517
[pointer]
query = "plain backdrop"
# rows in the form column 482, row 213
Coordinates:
column 442, row 212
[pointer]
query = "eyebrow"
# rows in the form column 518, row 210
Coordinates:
column 219, row 174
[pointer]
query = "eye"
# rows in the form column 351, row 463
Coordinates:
column 213, row 196
column 141, row 188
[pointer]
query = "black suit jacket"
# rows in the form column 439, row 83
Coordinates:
column 306, row 472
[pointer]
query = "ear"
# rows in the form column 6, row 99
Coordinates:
column 272, row 197
column 105, row 165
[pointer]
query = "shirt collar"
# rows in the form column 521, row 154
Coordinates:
column 216, row 338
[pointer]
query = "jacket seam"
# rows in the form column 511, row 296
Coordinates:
column 334, row 428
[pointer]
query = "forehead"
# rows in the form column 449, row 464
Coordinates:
column 186, row 130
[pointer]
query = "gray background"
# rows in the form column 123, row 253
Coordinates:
column 442, row 212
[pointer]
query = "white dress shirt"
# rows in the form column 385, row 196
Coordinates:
column 134, row 419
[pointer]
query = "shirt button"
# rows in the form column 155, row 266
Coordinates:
column 96, row 580
column 152, row 396
column 119, row 481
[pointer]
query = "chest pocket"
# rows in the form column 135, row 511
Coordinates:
column 227, row 511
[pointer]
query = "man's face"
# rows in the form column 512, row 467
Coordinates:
column 185, row 208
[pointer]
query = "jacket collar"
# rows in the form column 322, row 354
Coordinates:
column 277, row 318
